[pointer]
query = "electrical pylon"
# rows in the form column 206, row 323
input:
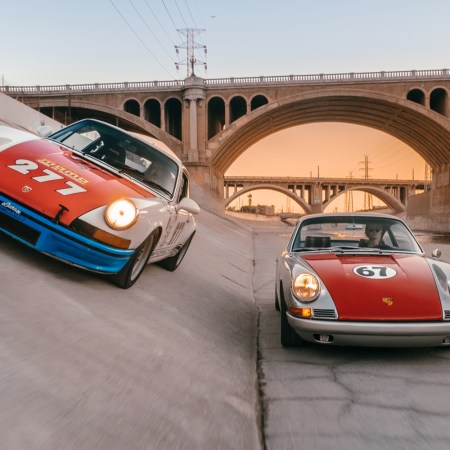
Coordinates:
column 191, row 46
column 368, row 200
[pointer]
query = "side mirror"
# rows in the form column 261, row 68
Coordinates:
column 187, row 204
column 44, row 130
column 436, row 253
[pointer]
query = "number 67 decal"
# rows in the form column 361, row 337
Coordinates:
column 375, row 272
column 25, row 166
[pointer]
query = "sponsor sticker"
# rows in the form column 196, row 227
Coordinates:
column 10, row 208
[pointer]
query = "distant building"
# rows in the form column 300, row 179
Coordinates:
column 266, row 210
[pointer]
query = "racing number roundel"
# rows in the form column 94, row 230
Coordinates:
column 375, row 272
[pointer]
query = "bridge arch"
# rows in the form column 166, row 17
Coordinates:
column 416, row 95
column 423, row 130
column 215, row 115
column 121, row 118
column 304, row 205
column 132, row 106
column 173, row 114
column 237, row 107
column 152, row 111
column 438, row 100
column 396, row 205
column 258, row 100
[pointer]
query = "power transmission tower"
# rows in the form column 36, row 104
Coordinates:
column 190, row 45
column 368, row 201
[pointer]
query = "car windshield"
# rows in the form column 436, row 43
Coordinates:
column 354, row 233
column 122, row 151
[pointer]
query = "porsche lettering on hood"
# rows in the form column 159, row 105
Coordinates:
column 49, row 177
column 385, row 287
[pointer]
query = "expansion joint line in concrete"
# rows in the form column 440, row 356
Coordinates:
column 260, row 376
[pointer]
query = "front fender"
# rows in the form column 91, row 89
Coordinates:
column 153, row 215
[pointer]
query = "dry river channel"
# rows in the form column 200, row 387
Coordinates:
column 192, row 360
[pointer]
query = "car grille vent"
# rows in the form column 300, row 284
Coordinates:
column 324, row 314
column 18, row 229
column 447, row 314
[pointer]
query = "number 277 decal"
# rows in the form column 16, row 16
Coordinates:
column 25, row 166
column 375, row 272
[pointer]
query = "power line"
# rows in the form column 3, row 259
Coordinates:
column 138, row 37
column 160, row 24
column 190, row 14
column 202, row 23
column 150, row 30
column 181, row 14
column 168, row 13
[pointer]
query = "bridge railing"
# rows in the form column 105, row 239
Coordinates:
column 234, row 81
column 306, row 180
column 92, row 87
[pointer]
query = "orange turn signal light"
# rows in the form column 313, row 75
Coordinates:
column 305, row 313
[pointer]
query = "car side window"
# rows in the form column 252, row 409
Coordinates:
column 184, row 189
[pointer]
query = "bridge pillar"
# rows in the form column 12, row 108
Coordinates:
column 440, row 198
column 316, row 198
column 206, row 186
column 193, row 95
column 430, row 210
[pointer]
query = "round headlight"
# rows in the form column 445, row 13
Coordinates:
column 306, row 287
column 121, row 214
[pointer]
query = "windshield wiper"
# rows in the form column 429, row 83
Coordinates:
column 125, row 168
column 156, row 186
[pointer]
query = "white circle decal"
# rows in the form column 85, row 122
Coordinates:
column 375, row 272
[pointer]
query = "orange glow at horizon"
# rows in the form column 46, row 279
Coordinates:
column 327, row 150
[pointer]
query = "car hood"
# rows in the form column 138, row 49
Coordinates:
column 46, row 176
column 395, row 287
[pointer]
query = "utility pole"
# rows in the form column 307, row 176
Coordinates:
column 368, row 201
column 349, row 198
column 190, row 45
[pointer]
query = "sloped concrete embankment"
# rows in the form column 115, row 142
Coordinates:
column 169, row 363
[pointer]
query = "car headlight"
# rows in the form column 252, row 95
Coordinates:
column 121, row 214
column 306, row 287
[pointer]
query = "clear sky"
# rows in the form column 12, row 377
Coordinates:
column 61, row 42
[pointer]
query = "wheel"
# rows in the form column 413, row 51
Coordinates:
column 289, row 338
column 133, row 269
column 174, row 261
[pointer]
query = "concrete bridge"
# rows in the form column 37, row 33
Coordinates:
column 210, row 123
column 313, row 195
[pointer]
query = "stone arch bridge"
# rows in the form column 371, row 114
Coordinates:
column 313, row 195
column 209, row 123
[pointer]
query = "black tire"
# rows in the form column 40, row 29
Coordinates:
column 174, row 261
column 133, row 269
column 289, row 338
column 277, row 301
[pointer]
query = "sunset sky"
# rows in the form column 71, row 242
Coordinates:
column 330, row 149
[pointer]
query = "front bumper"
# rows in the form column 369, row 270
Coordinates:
column 58, row 241
column 373, row 334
